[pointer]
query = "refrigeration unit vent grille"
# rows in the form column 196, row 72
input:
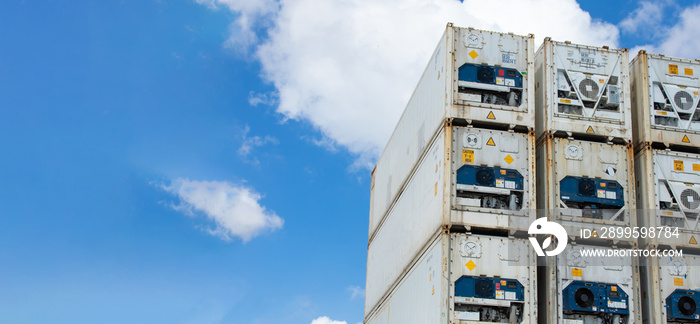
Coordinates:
column 588, row 88
column 690, row 198
column 683, row 100
column 682, row 306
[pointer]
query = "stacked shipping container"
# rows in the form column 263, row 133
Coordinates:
column 453, row 192
column 667, row 134
column 585, row 182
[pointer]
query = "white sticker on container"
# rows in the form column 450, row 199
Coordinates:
column 690, row 199
column 500, row 81
column 510, row 295
column 610, row 195
column 601, row 193
column 510, row 184
column 499, row 294
column 510, row 82
column 499, row 183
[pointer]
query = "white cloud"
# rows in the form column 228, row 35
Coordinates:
column 648, row 15
column 349, row 67
column 250, row 14
column 234, row 209
column 356, row 291
column 681, row 39
column 248, row 143
column 267, row 99
column 326, row 320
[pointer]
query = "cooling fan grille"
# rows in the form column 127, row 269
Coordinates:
column 588, row 88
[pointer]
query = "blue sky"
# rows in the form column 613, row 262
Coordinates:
column 208, row 161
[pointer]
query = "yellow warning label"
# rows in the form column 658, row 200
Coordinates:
column 613, row 288
column 576, row 272
column 688, row 71
column 468, row 156
column 692, row 240
column 491, row 142
column 685, row 139
column 473, row 54
column 470, row 265
column 696, row 167
column 678, row 281
column 509, row 159
column 672, row 69
column 601, row 81
column 677, row 165
column 490, row 115
column 590, row 130
column 566, row 101
column 695, row 93
column 662, row 113
column 594, row 234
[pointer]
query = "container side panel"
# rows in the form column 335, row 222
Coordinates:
column 412, row 220
column 419, row 123
column 420, row 297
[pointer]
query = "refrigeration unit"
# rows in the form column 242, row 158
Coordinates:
column 583, row 289
column 463, row 279
column 582, row 91
column 665, row 100
column 668, row 196
column 586, row 185
column 672, row 287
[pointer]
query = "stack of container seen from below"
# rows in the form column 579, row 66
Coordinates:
column 585, row 182
column 453, row 193
column 665, row 100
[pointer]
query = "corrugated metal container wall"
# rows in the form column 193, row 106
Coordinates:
column 415, row 217
column 582, row 289
column 465, row 279
column 475, row 76
column 582, row 90
column 672, row 289
column 491, row 188
column 586, row 185
column 668, row 196
column 665, row 100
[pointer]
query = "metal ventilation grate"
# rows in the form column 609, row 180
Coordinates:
column 690, row 199
column 484, row 74
column 683, row 100
column 483, row 288
column 584, row 297
column 588, row 88
column 586, row 187
column 484, row 177
column 687, row 306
